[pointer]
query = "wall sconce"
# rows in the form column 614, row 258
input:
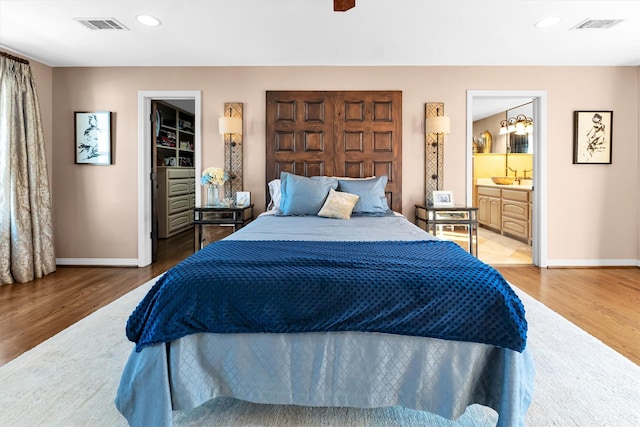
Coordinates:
column 438, row 125
column 230, row 126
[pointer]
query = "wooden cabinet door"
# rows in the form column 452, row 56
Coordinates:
column 495, row 213
column 489, row 212
column 483, row 210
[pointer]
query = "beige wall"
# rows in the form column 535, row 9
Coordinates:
column 593, row 210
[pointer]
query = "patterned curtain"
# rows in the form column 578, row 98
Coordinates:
column 26, row 230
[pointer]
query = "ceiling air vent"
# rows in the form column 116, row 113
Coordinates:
column 597, row 24
column 101, row 23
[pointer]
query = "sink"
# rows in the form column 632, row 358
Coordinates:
column 503, row 180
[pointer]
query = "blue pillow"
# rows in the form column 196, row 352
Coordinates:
column 371, row 191
column 304, row 196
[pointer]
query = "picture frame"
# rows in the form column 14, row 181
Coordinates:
column 93, row 137
column 243, row 199
column 442, row 199
column 592, row 137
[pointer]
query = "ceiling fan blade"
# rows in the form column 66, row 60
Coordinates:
column 343, row 5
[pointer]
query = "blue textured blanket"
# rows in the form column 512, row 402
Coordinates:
column 426, row 288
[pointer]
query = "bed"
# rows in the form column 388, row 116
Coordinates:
column 274, row 314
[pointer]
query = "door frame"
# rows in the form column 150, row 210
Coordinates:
column 539, row 238
column 144, row 160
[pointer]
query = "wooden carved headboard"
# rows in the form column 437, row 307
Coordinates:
column 355, row 134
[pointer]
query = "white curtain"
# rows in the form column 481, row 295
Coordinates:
column 26, row 230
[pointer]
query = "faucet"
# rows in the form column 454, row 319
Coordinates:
column 515, row 175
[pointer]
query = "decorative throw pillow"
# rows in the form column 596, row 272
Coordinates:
column 371, row 191
column 274, row 195
column 338, row 205
column 304, row 196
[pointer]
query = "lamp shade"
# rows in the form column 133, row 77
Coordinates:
column 503, row 128
column 230, row 125
column 528, row 128
column 438, row 124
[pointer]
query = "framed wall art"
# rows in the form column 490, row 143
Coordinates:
column 592, row 137
column 93, row 138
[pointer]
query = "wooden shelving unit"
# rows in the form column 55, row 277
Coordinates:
column 174, row 136
column 174, row 142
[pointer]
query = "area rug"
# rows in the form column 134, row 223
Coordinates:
column 71, row 380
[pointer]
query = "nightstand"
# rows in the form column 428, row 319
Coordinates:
column 432, row 218
column 236, row 217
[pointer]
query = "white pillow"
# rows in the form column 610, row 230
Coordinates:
column 274, row 192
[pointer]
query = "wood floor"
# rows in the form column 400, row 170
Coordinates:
column 604, row 302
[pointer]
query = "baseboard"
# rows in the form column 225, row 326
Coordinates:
column 133, row 262
column 98, row 262
column 593, row 263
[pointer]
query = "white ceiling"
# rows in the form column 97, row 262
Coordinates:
column 309, row 32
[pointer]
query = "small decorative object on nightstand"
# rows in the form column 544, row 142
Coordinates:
column 243, row 198
column 213, row 178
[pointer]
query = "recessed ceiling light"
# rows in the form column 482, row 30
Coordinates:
column 148, row 20
column 547, row 22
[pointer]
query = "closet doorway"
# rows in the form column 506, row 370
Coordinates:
column 173, row 173
column 148, row 162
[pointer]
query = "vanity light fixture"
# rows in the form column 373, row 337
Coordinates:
column 528, row 126
column 503, row 128
column 148, row 20
column 520, row 124
column 524, row 125
column 438, row 125
column 520, row 121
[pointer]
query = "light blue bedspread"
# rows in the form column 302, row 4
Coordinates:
column 350, row 369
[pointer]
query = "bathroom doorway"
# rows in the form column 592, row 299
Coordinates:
column 496, row 103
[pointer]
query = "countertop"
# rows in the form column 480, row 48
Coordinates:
column 487, row 182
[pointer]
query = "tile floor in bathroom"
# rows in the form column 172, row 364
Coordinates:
column 493, row 248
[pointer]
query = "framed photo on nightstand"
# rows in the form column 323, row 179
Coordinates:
column 442, row 199
column 243, row 199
